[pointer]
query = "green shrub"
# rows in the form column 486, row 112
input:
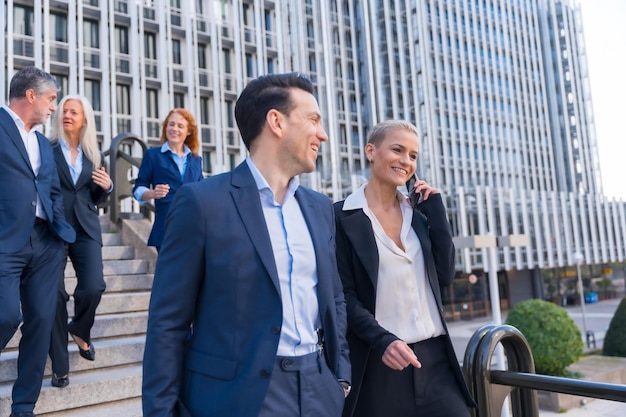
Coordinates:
column 554, row 339
column 615, row 339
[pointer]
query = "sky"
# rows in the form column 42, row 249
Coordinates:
column 604, row 23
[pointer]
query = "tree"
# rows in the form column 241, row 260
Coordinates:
column 554, row 338
column 615, row 339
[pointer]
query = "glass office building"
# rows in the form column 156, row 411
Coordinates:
column 498, row 89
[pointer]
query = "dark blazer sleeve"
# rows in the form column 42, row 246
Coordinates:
column 57, row 216
column 170, row 316
column 440, row 237
column 145, row 176
column 98, row 194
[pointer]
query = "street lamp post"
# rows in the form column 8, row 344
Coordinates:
column 578, row 258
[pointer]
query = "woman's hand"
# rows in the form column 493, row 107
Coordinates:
column 101, row 179
column 161, row 190
column 425, row 190
column 399, row 355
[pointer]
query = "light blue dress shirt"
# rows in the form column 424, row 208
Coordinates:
column 180, row 161
column 295, row 260
column 77, row 168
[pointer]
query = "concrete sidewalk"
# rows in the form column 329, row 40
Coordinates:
column 597, row 318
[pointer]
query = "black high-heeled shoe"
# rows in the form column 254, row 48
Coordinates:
column 89, row 354
column 60, row 382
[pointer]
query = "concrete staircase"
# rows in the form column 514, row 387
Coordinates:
column 111, row 385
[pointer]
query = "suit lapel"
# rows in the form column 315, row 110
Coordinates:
column 419, row 225
column 59, row 158
column 85, row 174
column 246, row 198
column 7, row 123
column 358, row 229
column 312, row 219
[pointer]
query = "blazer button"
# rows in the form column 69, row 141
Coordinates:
column 34, row 204
column 265, row 373
column 276, row 329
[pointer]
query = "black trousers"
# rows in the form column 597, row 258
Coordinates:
column 86, row 256
column 430, row 391
column 29, row 277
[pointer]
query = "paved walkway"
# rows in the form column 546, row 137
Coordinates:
column 597, row 319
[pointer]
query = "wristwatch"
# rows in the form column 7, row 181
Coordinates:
column 346, row 387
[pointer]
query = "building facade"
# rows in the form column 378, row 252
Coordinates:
column 498, row 89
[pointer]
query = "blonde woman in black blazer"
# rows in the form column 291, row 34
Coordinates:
column 84, row 185
column 393, row 257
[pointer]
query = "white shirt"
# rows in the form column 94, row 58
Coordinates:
column 405, row 303
column 296, row 265
column 31, row 143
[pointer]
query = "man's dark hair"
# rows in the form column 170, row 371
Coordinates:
column 31, row 78
column 262, row 95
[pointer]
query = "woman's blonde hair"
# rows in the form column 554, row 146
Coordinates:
column 380, row 131
column 88, row 139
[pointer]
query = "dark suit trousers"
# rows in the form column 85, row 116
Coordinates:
column 86, row 256
column 303, row 386
column 431, row 391
column 29, row 276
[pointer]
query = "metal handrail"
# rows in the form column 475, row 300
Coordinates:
column 491, row 387
column 120, row 163
column 593, row 389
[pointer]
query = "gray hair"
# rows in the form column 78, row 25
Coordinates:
column 31, row 78
column 380, row 131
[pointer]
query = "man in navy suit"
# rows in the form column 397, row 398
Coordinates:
column 247, row 316
column 32, row 230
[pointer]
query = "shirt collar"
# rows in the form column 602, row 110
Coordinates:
column 357, row 199
column 66, row 145
column 166, row 147
column 262, row 184
column 19, row 122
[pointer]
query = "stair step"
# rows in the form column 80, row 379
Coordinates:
column 118, row 283
column 120, row 303
column 110, row 253
column 119, row 267
column 123, row 408
column 86, row 388
column 108, row 325
column 111, row 239
column 109, row 353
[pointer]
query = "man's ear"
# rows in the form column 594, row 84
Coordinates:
column 30, row 95
column 273, row 120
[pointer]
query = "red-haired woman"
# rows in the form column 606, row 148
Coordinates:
column 165, row 169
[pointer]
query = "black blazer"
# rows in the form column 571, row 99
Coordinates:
column 357, row 259
column 80, row 201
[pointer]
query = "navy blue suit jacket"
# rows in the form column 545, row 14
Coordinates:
column 80, row 200
column 19, row 187
column 357, row 258
column 216, row 274
column 159, row 168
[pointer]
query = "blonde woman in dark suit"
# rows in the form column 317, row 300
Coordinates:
column 393, row 256
column 84, row 184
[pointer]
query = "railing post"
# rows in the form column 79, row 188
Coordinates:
column 120, row 163
column 477, row 368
